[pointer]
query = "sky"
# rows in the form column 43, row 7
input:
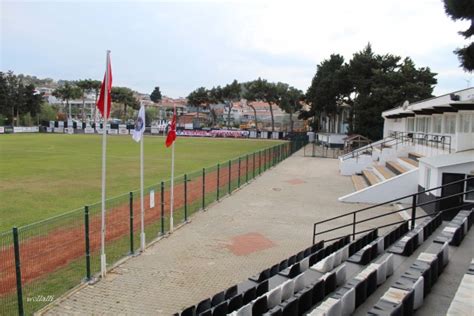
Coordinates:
column 182, row 45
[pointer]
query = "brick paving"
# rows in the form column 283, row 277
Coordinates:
column 257, row 226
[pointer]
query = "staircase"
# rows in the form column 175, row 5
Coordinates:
column 377, row 182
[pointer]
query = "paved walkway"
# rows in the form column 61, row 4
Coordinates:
column 258, row 226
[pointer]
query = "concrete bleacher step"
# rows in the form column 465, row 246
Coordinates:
column 387, row 174
column 395, row 167
column 350, row 277
column 370, row 177
column 359, row 182
column 410, row 161
column 463, row 301
column 432, row 300
column 414, row 156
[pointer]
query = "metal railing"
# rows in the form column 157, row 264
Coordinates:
column 368, row 149
column 438, row 141
column 442, row 142
column 413, row 208
column 41, row 261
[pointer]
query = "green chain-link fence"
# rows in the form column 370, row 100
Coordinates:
column 42, row 261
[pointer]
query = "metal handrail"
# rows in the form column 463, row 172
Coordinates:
column 370, row 147
column 438, row 139
column 412, row 207
column 402, row 137
column 394, row 223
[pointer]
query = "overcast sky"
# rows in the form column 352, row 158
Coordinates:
column 182, row 45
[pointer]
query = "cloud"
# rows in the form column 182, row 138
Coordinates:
column 186, row 44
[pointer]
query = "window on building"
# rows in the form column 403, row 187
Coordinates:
column 465, row 123
column 427, row 124
column 450, row 124
column 437, row 124
column 420, row 124
column 469, row 187
column 410, row 124
column 423, row 124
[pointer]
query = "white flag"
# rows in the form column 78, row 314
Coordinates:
column 139, row 125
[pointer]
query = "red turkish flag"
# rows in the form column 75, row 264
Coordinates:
column 172, row 132
column 100, row 101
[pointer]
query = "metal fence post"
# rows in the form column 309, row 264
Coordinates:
column 247, row 169
column 162, row 208
column 354, row 227
column 270, row 158
column 203, row 188
column 413, row 211
column 218, row 176
column 185, row 197
column 254, row 165
column 314, row 233
column 274, row 154
column 238, row 179
column 86, row 234
column 230, row 177
column 131, row 224
column 19, row 290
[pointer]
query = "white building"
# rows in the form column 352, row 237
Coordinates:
column 426, row 144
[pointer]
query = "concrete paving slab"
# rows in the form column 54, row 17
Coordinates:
column 278, row 209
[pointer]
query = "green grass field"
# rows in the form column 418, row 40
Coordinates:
column 42, row 175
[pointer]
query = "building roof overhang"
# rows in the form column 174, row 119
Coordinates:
column 463, row 106
column 444, row 109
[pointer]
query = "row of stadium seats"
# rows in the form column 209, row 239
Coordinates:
column 407, row 293
column 338, row 278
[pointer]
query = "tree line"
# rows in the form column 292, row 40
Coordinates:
column 21, row 103
column 17, row 99
column 288, row 98
column 367, row 84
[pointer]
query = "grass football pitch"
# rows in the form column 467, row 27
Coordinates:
column 42, row 175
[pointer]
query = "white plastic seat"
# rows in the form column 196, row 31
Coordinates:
column 304, row 264
column 420, row 236
column 337, row 257
column 345, row 252
column 325, row 265
column 274, row 297
column 330, row 307
column 418, row 301
column 245, row 310
column 427, row 257
column 341, row 272
column 287, row 289
column 381, row 271
column 364, row 274
column 380, row 245
column 465, row 225
column 299, row 282
column 445, row 251
column 348, row 302
column 389, row 261
column 395, row 295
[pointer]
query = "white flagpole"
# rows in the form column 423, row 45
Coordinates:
column 103, row 261
column 172, row 188
column 142, row 207
column 172, row 180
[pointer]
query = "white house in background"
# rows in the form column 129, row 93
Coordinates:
column 334, row 128
column 426, row 144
